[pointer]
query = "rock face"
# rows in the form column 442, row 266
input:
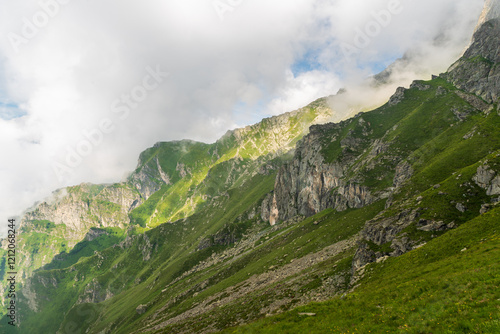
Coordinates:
column 71, row 215
column 149, row 179
column 86, row 206
column 277, row 134
column 308, row 184
column 403, row 172
column 141, row 309
column 488, row 179
column 93, row 234
column 398, row 96
column 93, row 293
column 224, row 237
column 491, row 11
column 477, row 71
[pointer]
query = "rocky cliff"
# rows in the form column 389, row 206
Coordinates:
column 308, row 184
column 477, row 72
column 81, row 207
column 491, row 11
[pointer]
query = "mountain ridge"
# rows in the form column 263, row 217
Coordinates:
column 228, row 233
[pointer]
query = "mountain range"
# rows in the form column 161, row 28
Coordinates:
column 387, row 221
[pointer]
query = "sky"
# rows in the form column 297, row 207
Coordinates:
column 85, row 86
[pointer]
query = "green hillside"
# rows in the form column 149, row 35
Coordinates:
column 387, row 222
column 450, row 285
column 170, row 278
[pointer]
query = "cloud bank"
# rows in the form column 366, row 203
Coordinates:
column 85, row 86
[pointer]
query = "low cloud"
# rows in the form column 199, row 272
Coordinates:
column 62, row 72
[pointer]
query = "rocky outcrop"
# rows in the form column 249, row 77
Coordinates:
column 94, row 233
column 141, row 309
column 475, row 101
column 491, row 10
column 397, row 96
column 308, row 184
column 417, row 84
column 384, row 230
column 404, row 171
column 94, row 293
column 86, row 206
column 488, row 179
column 363, row 256
column 149, row 179
column 71, row 215
column 225, row 237
column 266, row 207
column 477, row 71
column 278, row 134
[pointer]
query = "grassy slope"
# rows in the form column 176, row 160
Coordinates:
column 241, row 150
column 85, row 248
column 450, row 285
column 274, row 250
column 439, row 153
column 174, row 252
column 435, row 155
column 181, row 198
column 437, row 288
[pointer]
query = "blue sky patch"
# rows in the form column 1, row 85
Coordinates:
column 308, row 62
column 10, row 111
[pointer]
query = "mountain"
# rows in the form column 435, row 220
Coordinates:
column 383, row 222
column 491, row 11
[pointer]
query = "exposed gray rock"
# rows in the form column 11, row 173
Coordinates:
column 363, row 256
column 224, row 237
column 427, row 226
column 401, row 245
column 378, row 147
column 471, row 134
column 30, row 295
column 79, row 210
column 441, row 91
column 494, row 188
column 266, row 207
column 404, row 172
column 141, row 309
column 94, row 293
column 460, row 207
column 308, row 185
column 417, row 84
column 485, row 208
column 398, row 96
column 147, row 180
column 94, row 233
column 477, row 72
column 475, row 101
column 182, row 169
column 488, row 179
column 146, row 247
column 382, row 230
column 491, row 10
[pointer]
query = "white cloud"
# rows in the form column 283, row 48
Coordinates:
column 303, row 89
column 66, row 76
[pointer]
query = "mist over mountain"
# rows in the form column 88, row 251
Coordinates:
column 61, row 81
column 374, row 208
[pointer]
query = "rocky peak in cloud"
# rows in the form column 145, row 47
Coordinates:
column 491, row 11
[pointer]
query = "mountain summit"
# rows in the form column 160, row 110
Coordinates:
column 477, row 71
column 491, row 11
